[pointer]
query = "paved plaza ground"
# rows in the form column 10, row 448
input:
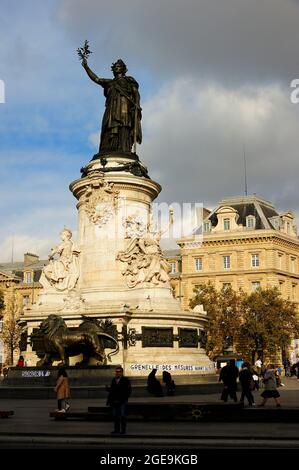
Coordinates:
column 32, row 428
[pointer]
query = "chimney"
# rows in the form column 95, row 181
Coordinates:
column 30, row 258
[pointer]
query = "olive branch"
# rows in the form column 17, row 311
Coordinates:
column 84, row 52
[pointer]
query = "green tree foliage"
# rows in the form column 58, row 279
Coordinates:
column 269, row 323
column 224, row 320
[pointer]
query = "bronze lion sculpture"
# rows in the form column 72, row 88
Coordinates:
column 89, row 339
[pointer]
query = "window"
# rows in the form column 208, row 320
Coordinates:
column 255, row 286
column 25, row 300
column 288, row 227
column 255, row 261
column 293, row 264
column 226, row 262
column 276, row 222
column 173, row 267
column 198, row 264
column 281, row 286
column 226, row 224
column 279, row 261
column 27, row 277
column 250, row 222
column 207, row 226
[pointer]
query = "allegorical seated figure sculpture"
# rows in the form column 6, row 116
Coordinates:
column 144, row 261
column 121, row 127
column 62, row 273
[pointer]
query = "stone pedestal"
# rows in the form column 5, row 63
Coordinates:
column 122, row 274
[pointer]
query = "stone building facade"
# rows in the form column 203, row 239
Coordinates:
column 246, row 244
column 19, row 282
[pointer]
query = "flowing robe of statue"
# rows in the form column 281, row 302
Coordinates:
column 62, row 273
column 118, row 123
column 121, row 127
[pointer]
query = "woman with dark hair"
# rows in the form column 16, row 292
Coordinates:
column 169, row 383
column 62, row 390
column 153, row 384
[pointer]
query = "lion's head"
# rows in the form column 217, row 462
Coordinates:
column 51, row 324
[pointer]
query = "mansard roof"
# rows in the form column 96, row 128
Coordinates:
column 15, row 271
column 245, row 206
column 20, row 266
column 9, row 276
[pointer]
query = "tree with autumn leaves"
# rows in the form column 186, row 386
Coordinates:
column 260, row 324
column 269, row 324
column 11, row 330
column 224, row 321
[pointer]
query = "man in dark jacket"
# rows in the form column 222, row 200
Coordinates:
column 247, row 384
column 229, row 375
column 119, row 392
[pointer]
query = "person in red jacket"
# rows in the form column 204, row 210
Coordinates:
column 62, row 390
column 21, row 362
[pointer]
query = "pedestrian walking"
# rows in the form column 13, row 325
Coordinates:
column 228, row 376
column 247, row 384
column 62, row 390
column 258, row 365
column 256, row 380
column 287, row 367
column 270, row 386
column 119, row 393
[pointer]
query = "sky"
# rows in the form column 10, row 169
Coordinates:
column 214, row 79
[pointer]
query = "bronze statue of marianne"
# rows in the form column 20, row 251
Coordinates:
column 121, row 127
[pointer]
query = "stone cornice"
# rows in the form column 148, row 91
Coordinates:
column 262, row 236
column 120, row 182
column 237, row 272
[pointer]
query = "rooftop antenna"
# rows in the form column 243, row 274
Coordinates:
column 245, row 171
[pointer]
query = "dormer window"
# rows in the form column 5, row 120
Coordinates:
column 207, row 226
column 250, row 222
column 226, row 224
column 275, row 221
column 172, row 267
column 27, row 277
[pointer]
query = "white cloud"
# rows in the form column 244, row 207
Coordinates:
column 232, row 41
column 13, row 248
column 195, row 136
